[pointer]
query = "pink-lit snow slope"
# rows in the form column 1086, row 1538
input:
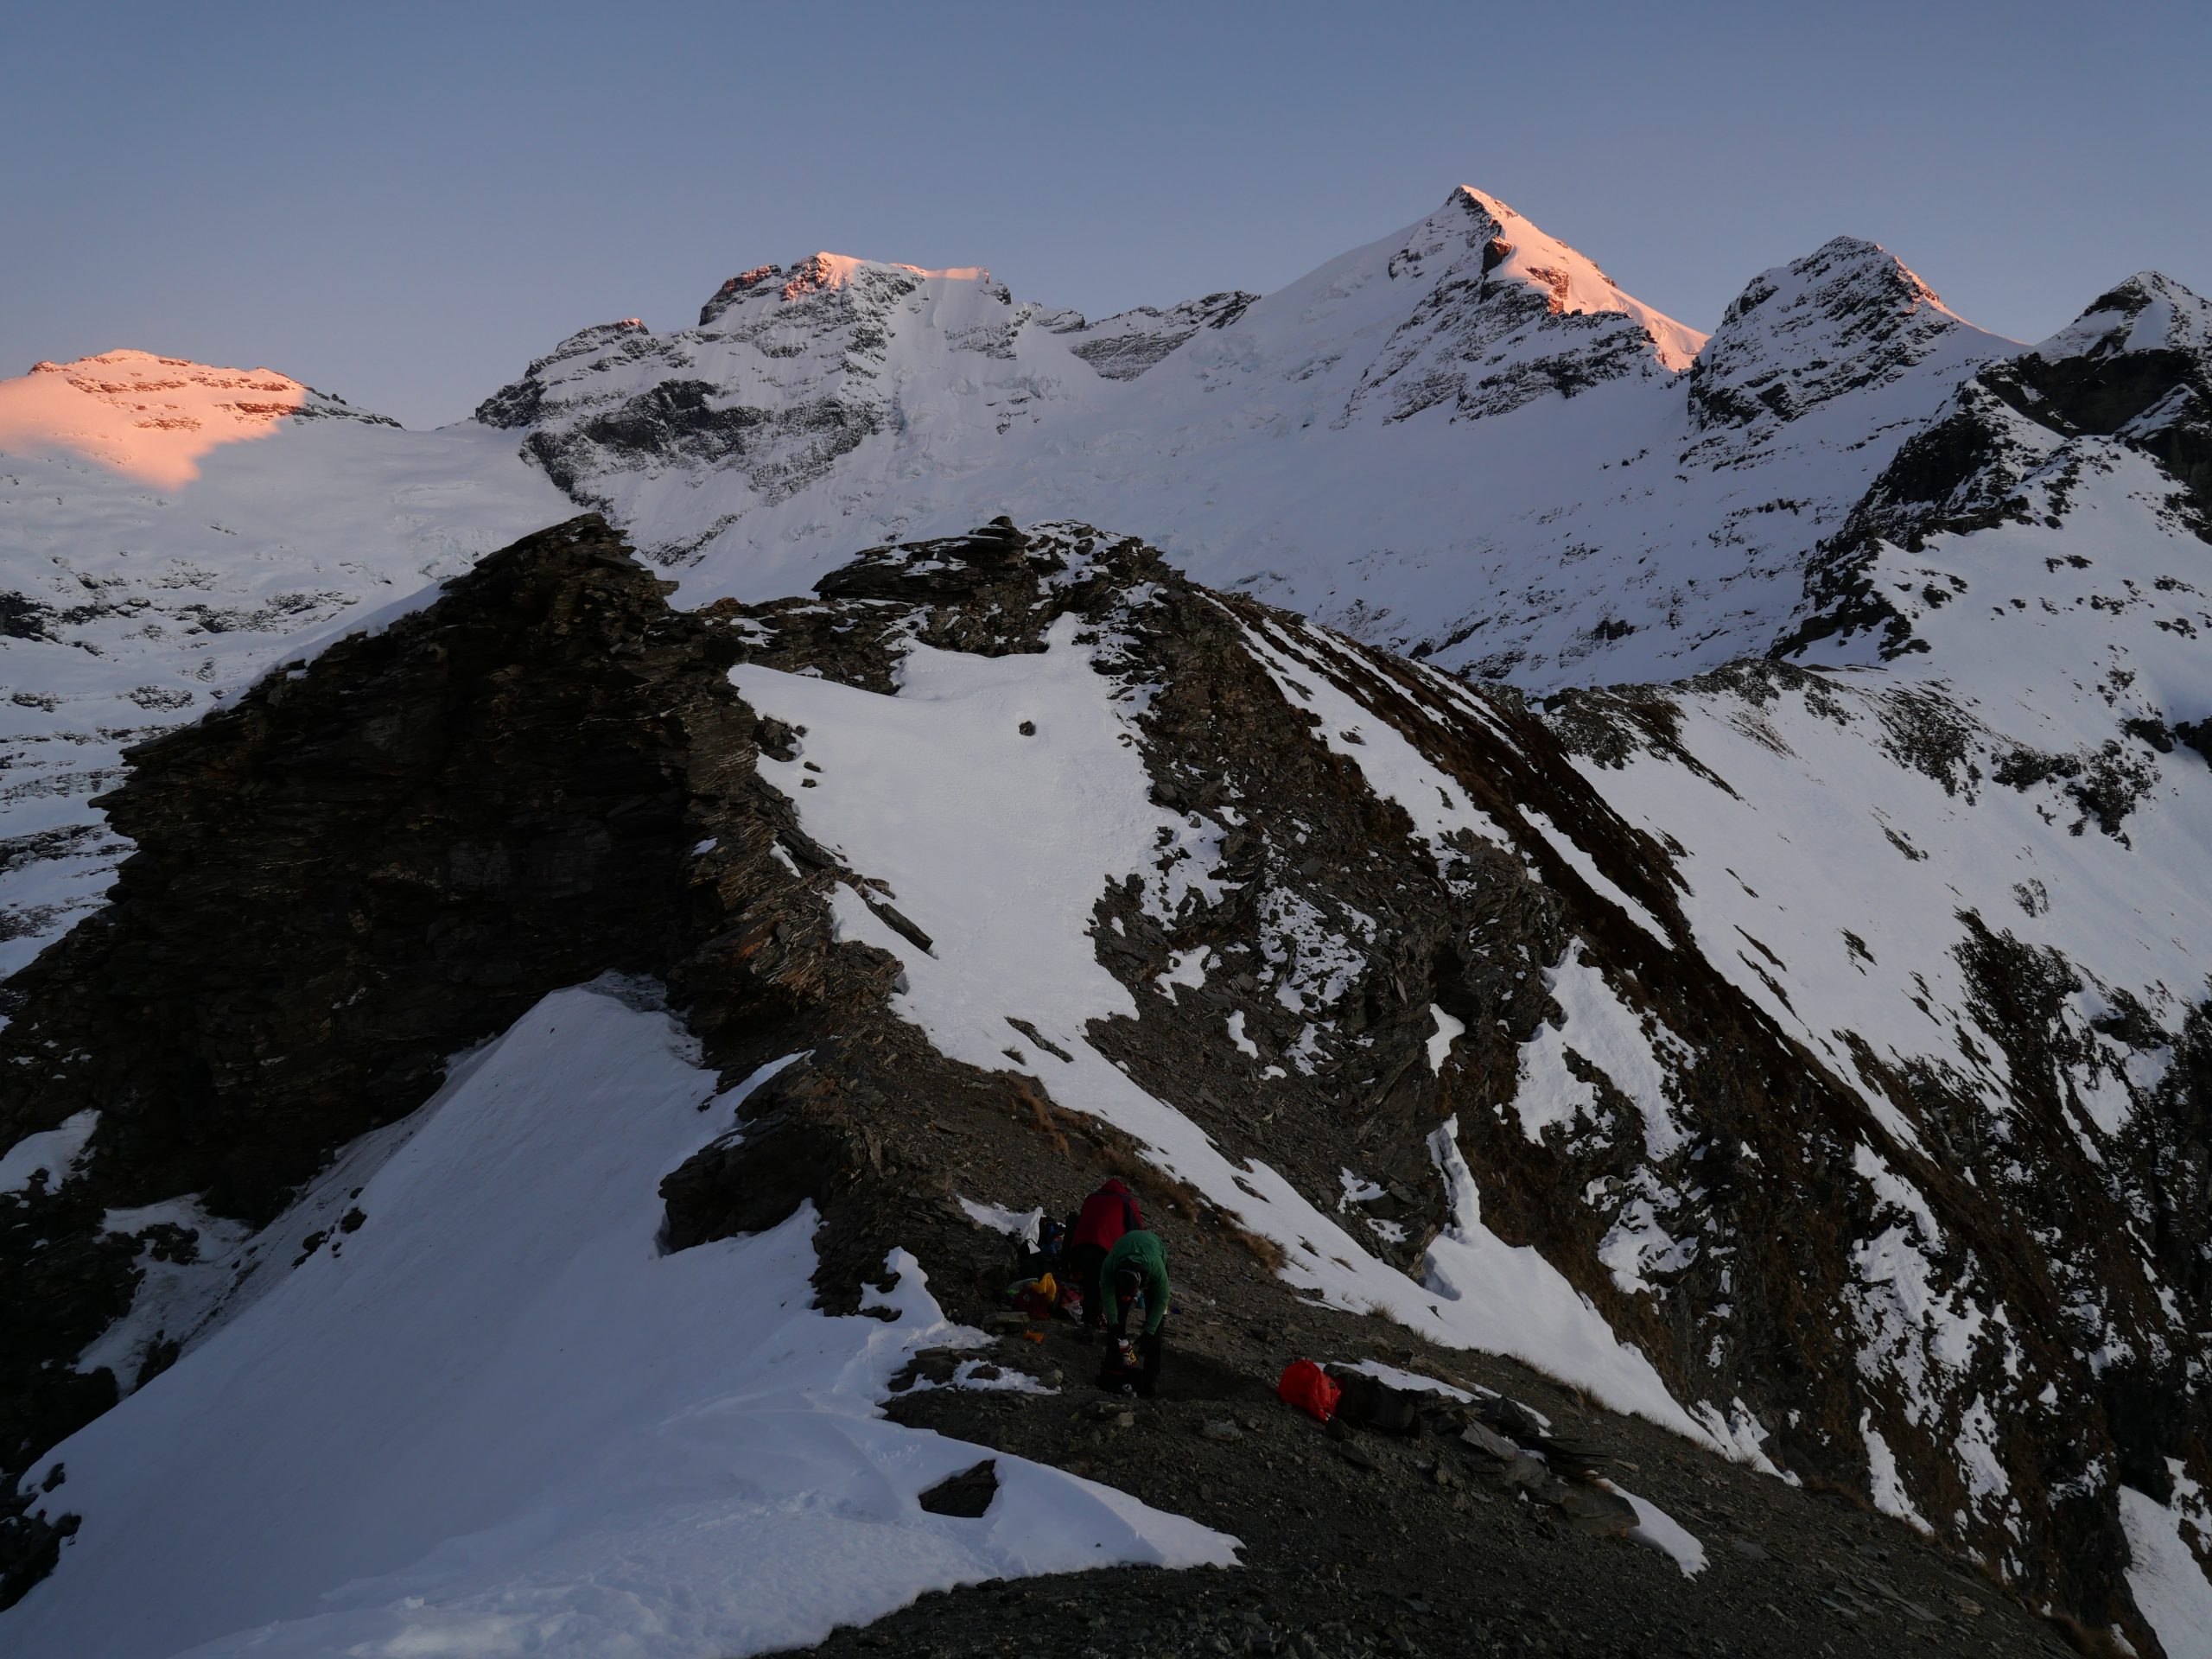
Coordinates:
column 149, row 417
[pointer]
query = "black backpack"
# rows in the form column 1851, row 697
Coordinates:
column 1371, row 1402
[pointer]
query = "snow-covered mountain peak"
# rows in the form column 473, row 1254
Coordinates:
column 1849, row 316
column 2148, row 312
column 788, row 369
column 1485, row 313
column 1822, row 864
column 1838, row 261
column 586, row 352
column 1616, row 516
column 822, row 271
column 1569, row 283
column 2060, row 487
column 736, row 288
column 840, row 402
column 150, row 417
column 826, row 272
column 2138, row 365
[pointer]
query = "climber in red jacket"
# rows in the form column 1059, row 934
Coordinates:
column 1105, row 1216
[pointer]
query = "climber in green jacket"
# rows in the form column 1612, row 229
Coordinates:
column 1137, row 1268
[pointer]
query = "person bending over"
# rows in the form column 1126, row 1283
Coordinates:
column 1136, row 1271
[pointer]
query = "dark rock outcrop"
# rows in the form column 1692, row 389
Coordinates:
column 371, row 863
column 486, row 801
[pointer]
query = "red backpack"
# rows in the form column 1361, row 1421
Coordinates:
column 1309, row 1388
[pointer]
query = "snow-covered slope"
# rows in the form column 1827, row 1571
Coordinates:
column 623, row 1451
column 1960, row 863
column 153, row 418
column 1837, row 956
column 167, row 529
column 1123, row 346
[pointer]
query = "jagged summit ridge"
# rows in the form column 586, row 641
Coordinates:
column 1570, row 283
column 836, row 400
column 1977, row 1034
column 1124, row 346
column 1558, row 483
column 1591, row 526
column 788, row 370
column 2077, row 473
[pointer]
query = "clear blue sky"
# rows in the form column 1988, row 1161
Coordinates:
column 403, row 205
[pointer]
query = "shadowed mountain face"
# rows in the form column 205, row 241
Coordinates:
column 1036, row 849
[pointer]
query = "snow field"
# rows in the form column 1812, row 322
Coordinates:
column 53, row 1153
column 149, row 418
column 500, row 1421
column 2163, row 1572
